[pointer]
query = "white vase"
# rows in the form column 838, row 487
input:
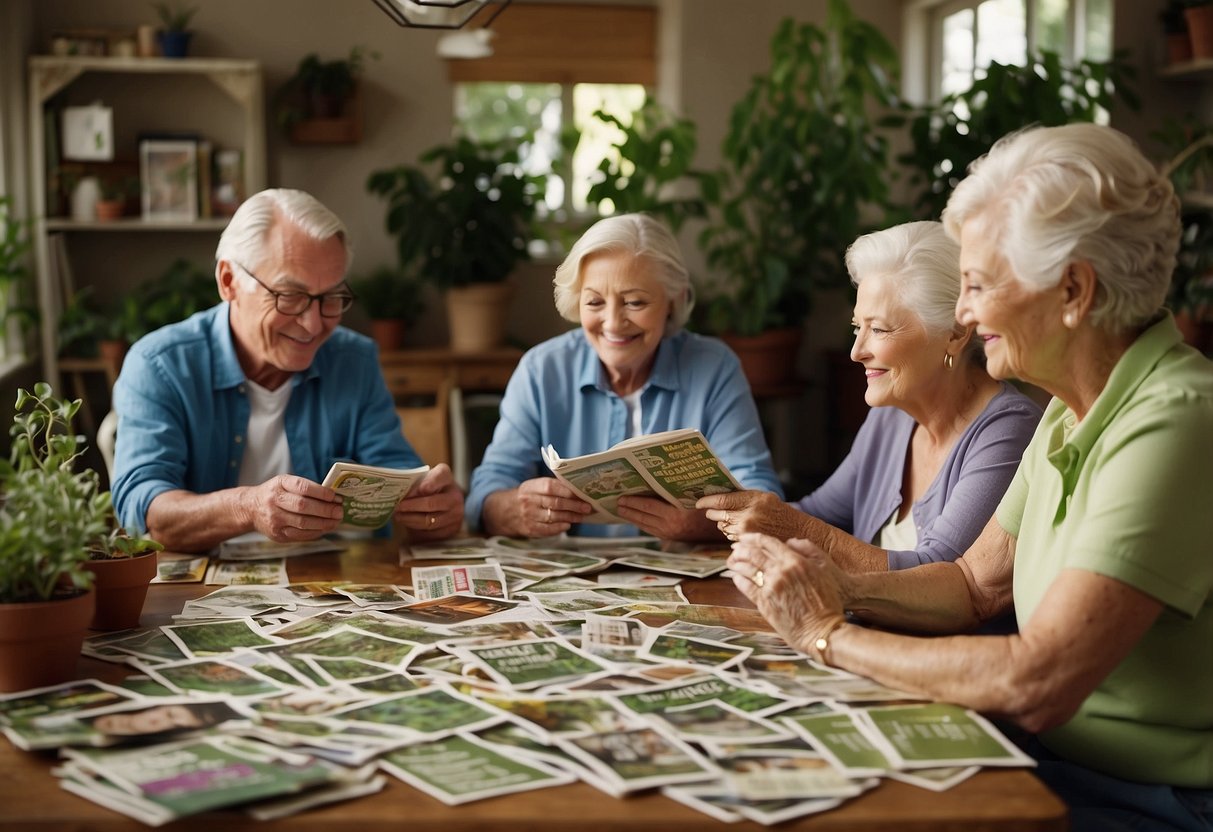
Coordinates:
column 84, row 199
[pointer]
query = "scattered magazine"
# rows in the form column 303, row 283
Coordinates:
column 276, row 699
column 260, row 572
column 370, row 494
column 439, row 581
column 180, row 570
column 679, row 466
column 253, row 548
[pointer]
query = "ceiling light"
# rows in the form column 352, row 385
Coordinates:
column 465, row 45
column 439, row 14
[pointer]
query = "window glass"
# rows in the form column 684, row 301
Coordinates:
column 488, row 111
column 1050, row 26
column 1097, row 40
column 957, row 70
column 1002, row 32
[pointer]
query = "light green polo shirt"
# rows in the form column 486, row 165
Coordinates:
column 1127, row 493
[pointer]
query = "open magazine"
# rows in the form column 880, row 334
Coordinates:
column 679, row 466
column 370, row 494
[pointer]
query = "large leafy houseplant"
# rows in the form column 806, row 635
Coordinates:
column 806, row 169
column 469, row 221
column 649, row 170
column 950, row 135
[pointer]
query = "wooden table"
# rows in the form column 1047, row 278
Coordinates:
column 30, row 797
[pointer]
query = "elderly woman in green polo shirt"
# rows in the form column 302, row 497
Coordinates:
column 1102, row 544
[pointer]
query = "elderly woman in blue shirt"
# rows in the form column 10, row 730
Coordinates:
column 629, row 370
column 943, row 439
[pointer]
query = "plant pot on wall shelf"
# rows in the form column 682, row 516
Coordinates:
column 476, row 315
column 345, row 127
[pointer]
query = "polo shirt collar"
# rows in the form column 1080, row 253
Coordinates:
column 665, row 373
column 1074, row 440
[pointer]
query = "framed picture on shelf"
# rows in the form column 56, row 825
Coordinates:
column 168, row 172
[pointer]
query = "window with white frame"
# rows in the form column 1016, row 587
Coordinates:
column 543, row 113
column 545, row 87
column 967, row 35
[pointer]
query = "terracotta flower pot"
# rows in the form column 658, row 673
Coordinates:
column 40, row 641
column 1200, row 30
column 120, row 585
column 388, row 333
column 769, row 359
column 476, row 315
column 109, row 210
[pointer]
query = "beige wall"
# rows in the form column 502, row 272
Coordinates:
column 713, row 48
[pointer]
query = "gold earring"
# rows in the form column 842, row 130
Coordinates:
column 948, row 361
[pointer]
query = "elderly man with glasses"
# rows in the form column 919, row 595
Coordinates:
column 227, row 421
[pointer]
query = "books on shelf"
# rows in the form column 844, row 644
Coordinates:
column 679, row 466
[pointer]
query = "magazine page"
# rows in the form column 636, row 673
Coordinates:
column 677, row 466
column 370, row 494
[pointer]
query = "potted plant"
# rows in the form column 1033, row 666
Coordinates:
column 950, row 135
column 174, row 34
column 1199, row 16
column 806, row 171
column 115, row 194
column 321, row 89
column 81, row 326
column 1175, row 30
column 50, row 517
column 464, row 228
column 1190, row 168
column 14, row 270
column 392, row 298
column 650, row 169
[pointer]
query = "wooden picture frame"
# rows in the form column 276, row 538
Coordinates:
column 168, row 173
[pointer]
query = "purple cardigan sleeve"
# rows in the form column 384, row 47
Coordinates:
column 866, row 489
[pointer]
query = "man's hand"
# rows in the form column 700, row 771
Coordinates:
column 433, row 509
column 287, row 508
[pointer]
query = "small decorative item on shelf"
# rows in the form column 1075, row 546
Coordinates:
column 1175, row 30
column 1199, row 16
column 115, row 194
column 321, row 103
column 174, row 35
column 392, row 299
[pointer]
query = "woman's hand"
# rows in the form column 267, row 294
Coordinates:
column 740, row 512
column 541, row 507
column 660, row 519
column 795, row 586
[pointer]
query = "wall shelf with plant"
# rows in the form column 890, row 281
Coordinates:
column 322, row 102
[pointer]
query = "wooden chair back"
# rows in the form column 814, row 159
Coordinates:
column 423, row 401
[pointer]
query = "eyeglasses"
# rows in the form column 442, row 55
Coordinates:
column 332, row 304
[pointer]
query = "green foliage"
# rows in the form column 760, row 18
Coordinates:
column 51, row 514
column 390, row 292
column 174, row 17
column 468, row 223
column 14, row 269
column 313, row 77
column 654, row 159
column 1190, row 145
column 806, row 171
column 949, row 136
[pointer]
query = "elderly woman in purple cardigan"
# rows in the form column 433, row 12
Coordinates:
column 942, row 441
